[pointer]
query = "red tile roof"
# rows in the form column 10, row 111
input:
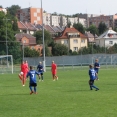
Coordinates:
column 69, row 30
column 26, row 26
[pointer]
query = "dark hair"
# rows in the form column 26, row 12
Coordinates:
column 31, row 67
column 91, row 66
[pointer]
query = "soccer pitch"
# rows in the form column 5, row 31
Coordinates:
column 68, row 97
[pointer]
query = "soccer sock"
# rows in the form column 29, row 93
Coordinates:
column 30, row 88
column 42, row 77
column 94, row 86
column 35, row 89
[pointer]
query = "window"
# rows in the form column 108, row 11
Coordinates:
column 24, row 41
column 83, row 41
column 76, row 49
column 110, row 42
column 65, row 41
column 75, row 41
column 35, row 14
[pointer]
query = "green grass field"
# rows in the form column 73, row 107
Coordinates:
column 68, row 97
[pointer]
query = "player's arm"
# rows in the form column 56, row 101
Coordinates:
column 27, row 75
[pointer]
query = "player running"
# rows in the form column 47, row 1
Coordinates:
column 92, row 75
column 32, row 83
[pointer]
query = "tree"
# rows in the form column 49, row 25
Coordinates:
column 93, row 29
column 79, row 27
column 1, row 6
column 39, row 37
column 13, row 9
column 68, row 24
column 102, row 27
column 12, row 46
column 59, row 49
column 30, row 53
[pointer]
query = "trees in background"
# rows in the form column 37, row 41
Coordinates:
column 102, row 28
column 79, row 27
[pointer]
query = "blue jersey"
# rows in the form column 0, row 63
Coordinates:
column 92, row 74
column 40, row 68
column 32, row 75
column 96, row 65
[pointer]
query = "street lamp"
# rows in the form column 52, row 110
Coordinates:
column 6, row 40
column 43, row 38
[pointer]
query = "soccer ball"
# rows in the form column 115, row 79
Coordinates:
column 21, row 73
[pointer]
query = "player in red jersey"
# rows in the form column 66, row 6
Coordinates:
column 23, row 73
column 27, row 68
column 54, row 71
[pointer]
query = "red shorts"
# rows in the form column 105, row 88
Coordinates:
column 54, row 72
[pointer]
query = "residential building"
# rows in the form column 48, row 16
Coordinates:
column 63, row 21
column 82, row 21
column 32, row 15
column 107, row 39
column 86, row 17
column 46, row 18
column 26, row 27
column 55, row 20
column 102, row 18
column 72, row 20
column 109, row 20
column 72, row 38
column 4, row 10
column 90, row 37
column 27, row 40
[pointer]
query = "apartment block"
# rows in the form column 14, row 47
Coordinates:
column 109, row 20
column 72, row 20
column 32, row 15
column 46, row 18
column 55, row 20
column 63, row 21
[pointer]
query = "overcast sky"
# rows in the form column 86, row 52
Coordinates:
column 68, row 7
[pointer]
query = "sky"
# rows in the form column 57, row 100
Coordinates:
column 67, row 7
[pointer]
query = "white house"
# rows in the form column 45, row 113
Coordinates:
column 107, row 39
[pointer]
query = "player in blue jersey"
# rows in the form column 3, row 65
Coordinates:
column 92, row 75
column 32, row 83
column 40, row 70
column 97, row 67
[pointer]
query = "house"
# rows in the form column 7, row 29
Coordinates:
column 107, row 39
column 26, row 27
column 90, row 37
column 72, row 38
column 28, row 40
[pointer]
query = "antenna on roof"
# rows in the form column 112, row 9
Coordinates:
column 29, row 4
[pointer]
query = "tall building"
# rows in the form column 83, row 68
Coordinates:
column 109, row 20
column 32, row 15
column 46, row 18
column 55, row 20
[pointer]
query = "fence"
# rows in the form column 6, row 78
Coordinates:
column 78, row 61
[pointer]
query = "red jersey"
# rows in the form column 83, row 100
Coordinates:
column 26, row 67
column 54, row 68
column 23, row 68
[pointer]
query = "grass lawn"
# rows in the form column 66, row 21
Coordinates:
column 68, row 97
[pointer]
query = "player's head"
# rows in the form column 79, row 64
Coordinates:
column 25, row 61
column 90, row 66
column 96, row 60
column 31, row 67
column 52, row 62
column 40, row 62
